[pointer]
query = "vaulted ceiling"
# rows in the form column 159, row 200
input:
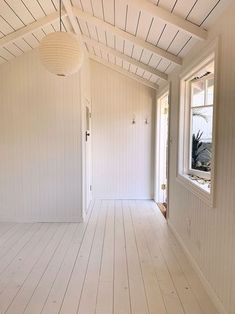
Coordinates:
column 142, row 39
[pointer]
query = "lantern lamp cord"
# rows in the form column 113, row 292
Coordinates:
column 60, row 16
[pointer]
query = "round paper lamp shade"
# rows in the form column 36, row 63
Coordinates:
column 61, row 53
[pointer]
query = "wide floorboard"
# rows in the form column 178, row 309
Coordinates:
column 122, row 260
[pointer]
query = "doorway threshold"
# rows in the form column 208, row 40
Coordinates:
column 163, row 208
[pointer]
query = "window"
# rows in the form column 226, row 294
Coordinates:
column 196, row 136
column 201, row 125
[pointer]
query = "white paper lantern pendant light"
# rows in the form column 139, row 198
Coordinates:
column 61, row 52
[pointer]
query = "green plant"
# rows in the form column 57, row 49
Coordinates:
column 197, row 148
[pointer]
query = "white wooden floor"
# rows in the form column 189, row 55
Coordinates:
column 123, row 260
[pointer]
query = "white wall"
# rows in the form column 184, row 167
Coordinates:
column 211, row 242
column 40, row 143
column 122, row 151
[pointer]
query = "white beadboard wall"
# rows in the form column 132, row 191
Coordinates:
column 211, row 243
column 40, row 143
column 122, row 152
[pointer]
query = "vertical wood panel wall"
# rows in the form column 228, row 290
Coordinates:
column 40, row 143
column 212, row 239
column 122, row 151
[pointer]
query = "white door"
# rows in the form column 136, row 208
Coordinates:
column 88, row 175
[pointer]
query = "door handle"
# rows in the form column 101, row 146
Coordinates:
column 87, row 134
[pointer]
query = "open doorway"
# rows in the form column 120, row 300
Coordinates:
column 161, row 184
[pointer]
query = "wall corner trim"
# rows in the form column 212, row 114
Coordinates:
column 214, row 298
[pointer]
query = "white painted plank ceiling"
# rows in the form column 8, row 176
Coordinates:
column 17, row 14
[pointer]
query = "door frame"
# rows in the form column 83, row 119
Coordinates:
column 85, row 184
column 166, row 90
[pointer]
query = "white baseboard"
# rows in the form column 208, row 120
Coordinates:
column 74, row 219
column 214, row 298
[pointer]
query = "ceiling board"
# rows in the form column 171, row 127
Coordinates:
column 22, row 45
column 119, row 43
column 97, row 8
column 167, row 37
column 47, row 6
column 128, row 46
column 182, row 7
column 99, row 53
column 137, row 52
column 21, row 11
column 100, row 35
column 201, row 10
column 120, row 14
column 108, row 9
column 132, row 20
column 154, row 60
column 118, row 61
column 2, row 60
column 86, row 5
column 83, row 27
column 39, row 34
column 48, row 29
column 133, row 68
column 170, row 68
column 167, row 4
column 162, row 66
column 77, row 3
column 145, row 23
column 9, row 16
column 5, row 27
column 56, row 25
column 216, row 12
column 155, row 31
column 112, row 58
column 125, row 65
column 103, row 54
column 31, row 40
column 179, row 41
column 145, row 57
column 110, row 39
column 66, row 24
column 92, row 31
column 186, row 48
column 5, row 54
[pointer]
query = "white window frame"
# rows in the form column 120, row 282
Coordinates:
column 200, row 174
column 183, row 173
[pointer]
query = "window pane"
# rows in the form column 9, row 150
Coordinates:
column 198, row 93
column 201, row 146
column 210, row 91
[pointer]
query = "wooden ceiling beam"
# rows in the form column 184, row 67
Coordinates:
column 125, row 35
column 123, row 71
column 123, row 56
column 20, row 33
column 170, row 18
column 72, row 18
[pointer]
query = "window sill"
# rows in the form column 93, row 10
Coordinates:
column 201, row 191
